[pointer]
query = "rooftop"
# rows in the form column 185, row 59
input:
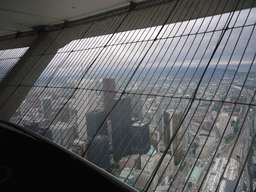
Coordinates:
column 195, row 173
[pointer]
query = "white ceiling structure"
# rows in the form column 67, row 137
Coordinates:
column 22, row 15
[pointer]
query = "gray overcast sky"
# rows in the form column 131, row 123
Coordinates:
column 178, row 43
column 186, row 44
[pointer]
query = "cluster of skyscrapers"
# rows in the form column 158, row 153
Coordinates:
column 109, row 129
column 117, row 127
column 120, row 134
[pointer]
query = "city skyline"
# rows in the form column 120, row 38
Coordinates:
column 151, row 106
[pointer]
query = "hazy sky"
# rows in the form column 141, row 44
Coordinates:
column 187, row 43
column 177, row 42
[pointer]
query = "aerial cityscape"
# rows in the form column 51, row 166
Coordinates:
column 159, row 94
column 127, row 132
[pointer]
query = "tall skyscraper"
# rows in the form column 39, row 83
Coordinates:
column 140, row 140
column 137, row 107
column 64, row 114
column 84, row 102
column 98, row 152
column 121, row 123
column 95, row 123
column 47, row 107
column 109, row 89
column 171, row 125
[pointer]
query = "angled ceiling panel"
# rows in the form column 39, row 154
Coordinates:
column 19, row 16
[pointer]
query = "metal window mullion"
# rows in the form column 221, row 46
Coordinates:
column 159, row 52
column 243, row 53
column 79, row 85
column 214, row 51
column 83, row 74
column 216, row 46
column 232, row 55
column 44, row 88
column 207, row 137
column 41, row 92
column 57, row 69
column 128, row 58
column 180, row 52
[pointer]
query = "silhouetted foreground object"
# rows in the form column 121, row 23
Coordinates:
column 29, row 160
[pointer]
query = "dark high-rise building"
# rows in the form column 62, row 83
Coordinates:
column 137, row 107
column 121, row 123
column 95, row 123
column 109, row 89
column 98, row 151
column 171, row 124
column 63, row 114
column 140, row 140
column 40, row 129
column 47, row 107
column 32, row 126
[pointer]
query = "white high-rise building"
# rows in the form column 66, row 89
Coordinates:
column 84, row 102
column 171, row 125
